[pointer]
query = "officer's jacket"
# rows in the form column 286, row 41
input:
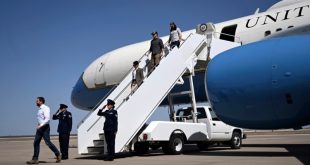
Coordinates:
column 65, row 121
column 110, row 123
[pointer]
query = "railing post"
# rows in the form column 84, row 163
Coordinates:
column 191, row 82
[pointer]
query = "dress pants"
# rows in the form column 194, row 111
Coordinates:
column 64, row 144
column 110, row 140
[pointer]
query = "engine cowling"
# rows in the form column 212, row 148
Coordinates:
column 263, row 85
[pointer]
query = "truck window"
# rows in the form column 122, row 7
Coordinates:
column 213, row 115
column 184, row 113
column 201, row 113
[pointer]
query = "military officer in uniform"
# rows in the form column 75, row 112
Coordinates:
column 110, row 127
column 64, row 129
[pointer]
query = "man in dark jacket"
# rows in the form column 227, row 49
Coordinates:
column 64, row 129
column 157, row 50
column 110, row 127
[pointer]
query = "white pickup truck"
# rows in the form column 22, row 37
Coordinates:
column 172, row 136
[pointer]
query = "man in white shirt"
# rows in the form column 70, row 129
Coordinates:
column 43, row 131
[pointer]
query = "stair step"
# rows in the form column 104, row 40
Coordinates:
column 101, row 136
column 92, row 153
column 96, row 149
column 98, row 142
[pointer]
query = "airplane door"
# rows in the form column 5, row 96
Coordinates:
column 99, row 78
column 228, row 33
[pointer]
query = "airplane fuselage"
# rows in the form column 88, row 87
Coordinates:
column 108, row 70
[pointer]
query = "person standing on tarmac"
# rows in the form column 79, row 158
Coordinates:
column 110, row 127
column 64, row 129
column 43, row 131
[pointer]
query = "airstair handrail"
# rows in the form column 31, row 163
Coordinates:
column 95, row 107
column 146, row 65
column 172, row 85
column 106, row 95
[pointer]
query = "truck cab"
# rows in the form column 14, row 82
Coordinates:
column 217, row 130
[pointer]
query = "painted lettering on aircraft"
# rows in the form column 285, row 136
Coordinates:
column 271, row 18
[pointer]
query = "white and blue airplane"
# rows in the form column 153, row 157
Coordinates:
column 263, row 84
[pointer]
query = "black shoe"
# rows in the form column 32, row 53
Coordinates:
column 108, row 159
column 64, row 158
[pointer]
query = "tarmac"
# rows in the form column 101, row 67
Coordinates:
column 277, row 148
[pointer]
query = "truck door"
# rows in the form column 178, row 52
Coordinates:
column 203, row 118
column 219, row 130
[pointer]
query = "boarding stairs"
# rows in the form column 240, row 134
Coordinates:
column 134, row 109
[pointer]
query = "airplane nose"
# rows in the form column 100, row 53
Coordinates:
column 262, row 85
column 84, row 98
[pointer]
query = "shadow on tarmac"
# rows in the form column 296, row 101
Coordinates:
column 300, row 151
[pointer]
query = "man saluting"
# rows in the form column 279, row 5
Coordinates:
column 64, row 129
column 110, row 127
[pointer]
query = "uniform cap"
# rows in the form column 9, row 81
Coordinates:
column 153, row 33
column 110, row 102
column 63, row 106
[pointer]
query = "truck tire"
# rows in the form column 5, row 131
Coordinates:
column 174, row 146
column 203, row 146
column 236, row 141
column 141, row 148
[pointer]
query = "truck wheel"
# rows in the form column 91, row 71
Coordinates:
column 203, row 146
column 236, row 141
column 174, row 146
column 141, row 148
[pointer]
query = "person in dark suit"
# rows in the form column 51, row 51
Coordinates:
column 110, row 127
column 137, row 76
column 64, row 129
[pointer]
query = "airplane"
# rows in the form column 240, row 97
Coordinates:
column 235, row 82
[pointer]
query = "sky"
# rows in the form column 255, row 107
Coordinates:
column 45, row 45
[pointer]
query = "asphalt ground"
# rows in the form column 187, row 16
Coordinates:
column 287, row 147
